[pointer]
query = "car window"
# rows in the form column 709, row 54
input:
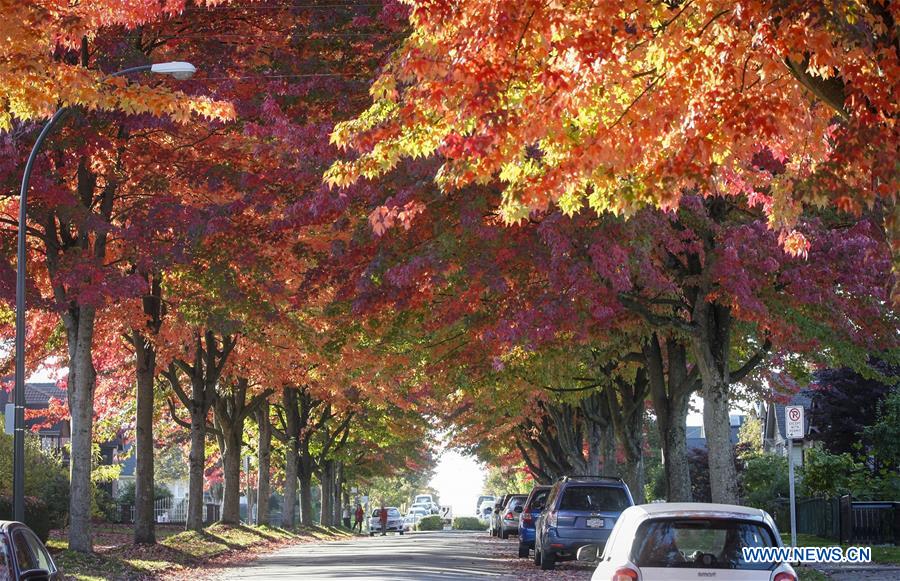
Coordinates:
column 6, row 573
column 594, row 498
column 24, row 558
column 699, row 543
column 538, row 499
column 515, row 501
column 37, row 549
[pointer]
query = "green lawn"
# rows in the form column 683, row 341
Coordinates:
column 218, row 544
column 885, row 555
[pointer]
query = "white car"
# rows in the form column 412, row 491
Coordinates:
column 394, row 521
column 427, row 501
column 413, row 517
column 681, row 541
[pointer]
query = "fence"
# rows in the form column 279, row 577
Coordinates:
column 843, row 519
column 168, row 510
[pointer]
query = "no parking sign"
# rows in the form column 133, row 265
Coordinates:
column 793, row 422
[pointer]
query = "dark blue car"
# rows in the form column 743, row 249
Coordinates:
column 534, row 504
column 580, row 510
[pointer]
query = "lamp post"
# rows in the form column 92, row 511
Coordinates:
column 178, row 70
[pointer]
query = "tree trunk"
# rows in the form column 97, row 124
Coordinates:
column 82, row 381
column 632, row 440
column 671, row 386
column 338, row 488
column 231, row 472
column 326, row 481
column 288, row 517
column 197, row 466
column 710, row 347
column 264, row 454
column 306, row 515
column 144, row 513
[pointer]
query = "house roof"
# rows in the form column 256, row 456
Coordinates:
column 42, row 393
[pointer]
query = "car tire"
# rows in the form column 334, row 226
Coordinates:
column 371, row 534
column 401, row 533
column 504, row 535
column 537, row 555
column 548, row 560
column 523, row 551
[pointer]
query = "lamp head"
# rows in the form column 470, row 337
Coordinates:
column 179, row 70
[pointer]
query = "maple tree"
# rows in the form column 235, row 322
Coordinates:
column 616, row 107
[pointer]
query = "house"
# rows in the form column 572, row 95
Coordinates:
column 774, row 441
column 56, row 437
column 37, row 397
column 696, row 435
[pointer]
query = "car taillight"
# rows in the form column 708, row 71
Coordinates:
column 527, row 518
column 625, row 574
column 551, row 519
column 509, row 516
column 785, row 577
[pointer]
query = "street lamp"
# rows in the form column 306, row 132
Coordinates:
column 178, row 70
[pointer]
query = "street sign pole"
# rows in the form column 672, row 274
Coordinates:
column 793, row 498
column 794, row 430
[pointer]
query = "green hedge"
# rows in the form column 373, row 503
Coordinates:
column 37, row 516
column 431, row 523
column 467, row 523
column 46, row 478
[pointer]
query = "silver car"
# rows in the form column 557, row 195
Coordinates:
column 394, row 521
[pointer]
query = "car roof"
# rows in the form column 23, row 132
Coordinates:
column 699, row 509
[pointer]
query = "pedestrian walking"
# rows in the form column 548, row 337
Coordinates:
column 359, row 518
column 382, row 518
column 346, row 516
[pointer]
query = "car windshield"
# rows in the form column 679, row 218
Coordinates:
column 594, row 498
column 392, row 512
column 699, row 543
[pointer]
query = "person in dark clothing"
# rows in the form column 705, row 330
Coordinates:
column 358, row 515
column 383, row 518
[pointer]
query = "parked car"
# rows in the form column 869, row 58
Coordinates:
column 427, row 500
column 509, row 516
column 532, row 508
column 580, row 510
column 680, row 541
column 413, row 517
column 482, row 499
column 495, row 514
column 394, row 522
column 486, row 511
column 23, row 556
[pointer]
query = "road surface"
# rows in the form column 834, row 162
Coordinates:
column 432, row 556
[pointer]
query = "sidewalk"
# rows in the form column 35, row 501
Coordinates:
column 871, row 572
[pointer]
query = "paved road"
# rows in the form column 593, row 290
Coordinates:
column 445, row 556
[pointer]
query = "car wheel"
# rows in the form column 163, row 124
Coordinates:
column 401, row 533
column 523, row 551
column 548, row 560
column 537, row 555
column 504, row 535
column 371, row 534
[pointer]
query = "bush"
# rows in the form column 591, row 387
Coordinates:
column 126, row 494
column 764, row 479
column 37, row 515
column 431, row 523
column 46, row 478
column 467, row 523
